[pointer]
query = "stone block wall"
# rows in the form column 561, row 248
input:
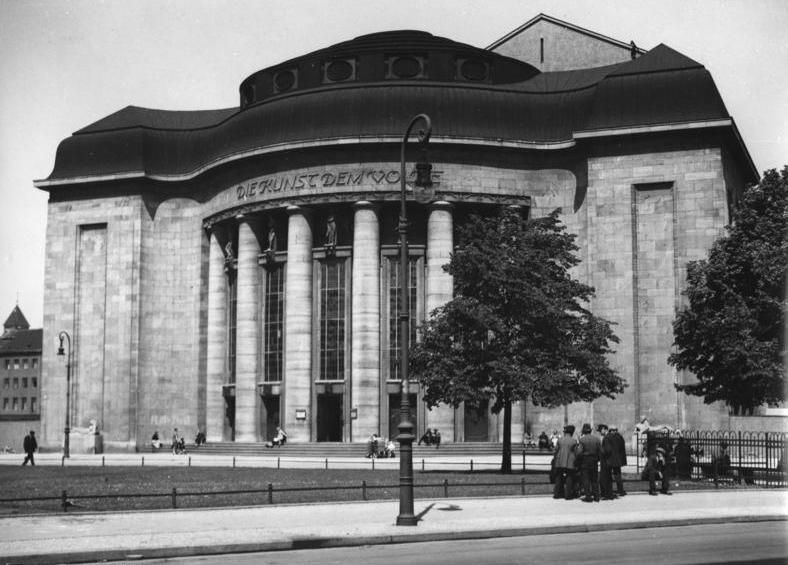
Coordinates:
column 91, row 291
column 170, row 308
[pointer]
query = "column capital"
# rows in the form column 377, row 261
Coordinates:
column 364, row 204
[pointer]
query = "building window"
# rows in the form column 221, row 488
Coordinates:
column 232, row 299
column 24, row 404
column 16, row 383
column 273, row 323
column 24, row 364
column 7, row 364
column 15, row 405
column 5, row 404
column 34, row 363
column 332, row 311
column 34, row 382
column 6, row 383
column 33, row 405
column 24, row 382
column 16, row 364
column 415, row 307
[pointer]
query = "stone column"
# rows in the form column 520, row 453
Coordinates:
column 440, row 289
column 217, row 340
column 247, row 332
column 298, row 327
column 365, row 357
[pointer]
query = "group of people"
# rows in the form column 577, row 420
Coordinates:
column 431, row 437
column 178, row 444
column 598, row 459
column 378, row 446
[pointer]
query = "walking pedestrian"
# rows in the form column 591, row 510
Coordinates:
column 589, row 450
column 564, row 460
column 30, row 445
column 616, row 458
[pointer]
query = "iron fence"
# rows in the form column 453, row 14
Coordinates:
column 724, row 458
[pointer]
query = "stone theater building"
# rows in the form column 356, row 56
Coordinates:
column 230, row 270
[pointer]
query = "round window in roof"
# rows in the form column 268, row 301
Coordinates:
column 340, row 70
column 284, row 80
column 406, row 67
column 473, row 69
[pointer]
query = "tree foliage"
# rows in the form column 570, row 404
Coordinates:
column 518, row 327
column 731, row 333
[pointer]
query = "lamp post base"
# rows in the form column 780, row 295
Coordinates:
column 406, row 517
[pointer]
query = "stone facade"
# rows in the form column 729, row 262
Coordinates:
column 261, row 288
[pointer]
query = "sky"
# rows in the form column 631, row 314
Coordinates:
column 67, row 63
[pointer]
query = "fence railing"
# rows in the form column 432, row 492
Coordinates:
column 68, row 501
column 724, row 458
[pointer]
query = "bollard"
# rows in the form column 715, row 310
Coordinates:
column 422, row 464
column 233, row 461
column 278, row 462
column 523, row 460
column 326, row 463
column 102, row 460
column 471, row 465
column 143, row 461
column 445, row 488
column 522, row 486
column 190, row 460
column 63, row 461
column 373, row 463
column 270, row 493
column 174, row 498
column 64, row 503
column 364, row 490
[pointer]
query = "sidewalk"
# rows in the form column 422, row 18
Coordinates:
column 66, row 538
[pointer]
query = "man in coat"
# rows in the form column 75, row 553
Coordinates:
column 605, row 472
column 616, row 453
column 30, row 445
column 564, row 461
column 589, row 449
column 657, row 469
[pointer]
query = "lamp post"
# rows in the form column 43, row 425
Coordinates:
column 405, row 438
column 67, row 429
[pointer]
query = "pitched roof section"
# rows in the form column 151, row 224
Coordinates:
column 21, row 342
column 660, row 59
column 556, row 21
column 16, row 320
column 136, row 116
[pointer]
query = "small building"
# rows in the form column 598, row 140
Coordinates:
column 20, row 380
column 231, row 270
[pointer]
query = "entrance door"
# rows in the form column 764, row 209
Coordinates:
column 229, row 418
column 269, row 416
column 329, row 417
column 394, row 402
column 476, row 422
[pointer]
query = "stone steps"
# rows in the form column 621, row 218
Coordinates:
column 338, row 449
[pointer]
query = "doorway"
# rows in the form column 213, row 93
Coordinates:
column 476, row 422
column 269, row 416
column 329, row 417
column 394, row 402
column 228, row 433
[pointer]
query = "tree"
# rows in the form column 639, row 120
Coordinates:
column 517, row 328
column 731, row 333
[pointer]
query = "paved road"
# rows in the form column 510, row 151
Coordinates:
column 764, row 543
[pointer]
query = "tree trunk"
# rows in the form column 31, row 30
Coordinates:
column 506, row 458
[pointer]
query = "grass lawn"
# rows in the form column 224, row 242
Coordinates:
column 109, row 488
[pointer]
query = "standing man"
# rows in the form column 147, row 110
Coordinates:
column 589, row 450
column 30, row 445
column 605, row 472
column 565, row 465
column 616, row 458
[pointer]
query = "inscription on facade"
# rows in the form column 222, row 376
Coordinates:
column 277, row 184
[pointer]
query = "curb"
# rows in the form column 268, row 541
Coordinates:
column 382, row 539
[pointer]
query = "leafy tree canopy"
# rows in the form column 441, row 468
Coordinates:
column 731, row 333
column 518, row 327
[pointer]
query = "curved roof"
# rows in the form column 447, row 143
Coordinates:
column 367, row 88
